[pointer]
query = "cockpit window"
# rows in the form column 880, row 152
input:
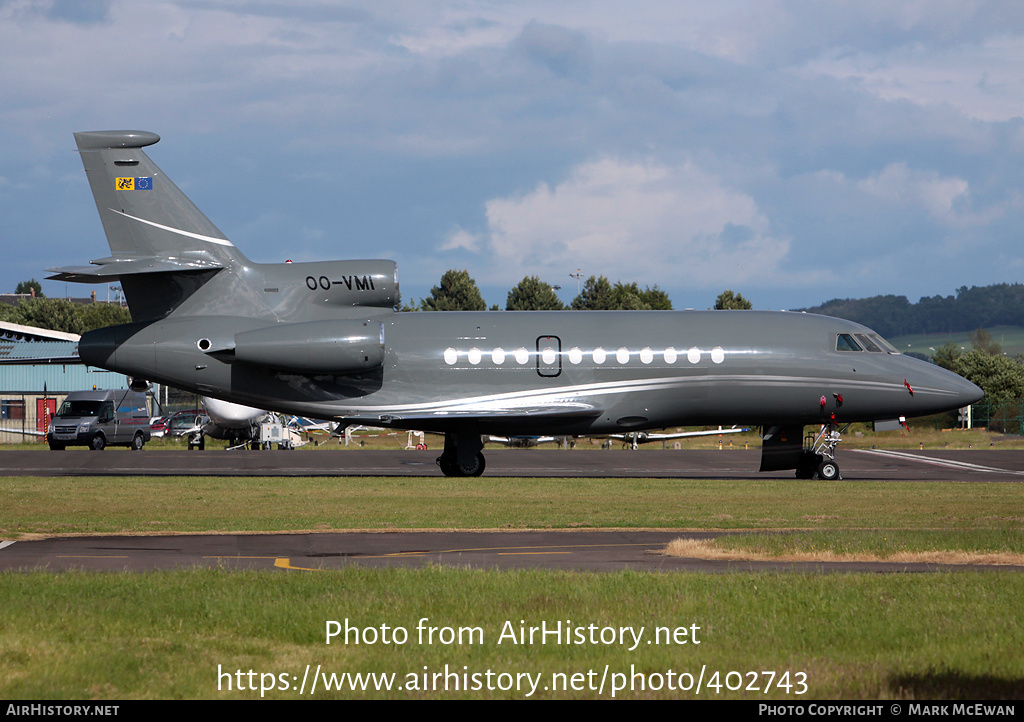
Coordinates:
column 845, row 342
column 868, row 343
column 886, row 346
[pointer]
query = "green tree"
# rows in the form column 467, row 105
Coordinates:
column 629, row 297
column 656, row 299
column 727, row 300
column 56, row 314
column 597, row 295
column 946, row 355
column 100, row 315
column 982, row 341
column 29, row 286
column 533, row 294
column 1001, row 378
column 457, row 292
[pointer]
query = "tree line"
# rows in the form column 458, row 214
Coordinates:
column 459, row 292
column 976, row 307
column 59, row 314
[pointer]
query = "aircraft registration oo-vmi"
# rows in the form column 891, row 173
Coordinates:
column 324, row 340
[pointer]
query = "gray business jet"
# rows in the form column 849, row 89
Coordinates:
column 323, row 340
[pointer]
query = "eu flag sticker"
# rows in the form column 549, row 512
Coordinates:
column 133, row 184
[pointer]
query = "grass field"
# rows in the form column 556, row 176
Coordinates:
column 1011, row 338
column 198, row 633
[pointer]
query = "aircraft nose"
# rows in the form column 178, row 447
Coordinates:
column 957, row 390
column 967, row 392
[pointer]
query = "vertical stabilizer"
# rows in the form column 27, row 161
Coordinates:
column 164, row 251
column 143, row 213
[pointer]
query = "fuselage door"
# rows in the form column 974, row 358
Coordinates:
column 549, row 355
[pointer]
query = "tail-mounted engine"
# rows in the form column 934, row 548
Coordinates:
column 315, row 347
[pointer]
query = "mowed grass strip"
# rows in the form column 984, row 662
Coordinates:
column 964, row 546
column 166, row 635
column 47, row 505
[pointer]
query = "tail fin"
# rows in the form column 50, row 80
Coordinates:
column 163, row 249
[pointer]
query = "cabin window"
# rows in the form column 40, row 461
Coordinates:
column 845, row 342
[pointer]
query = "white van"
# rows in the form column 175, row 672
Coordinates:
column 100, row 418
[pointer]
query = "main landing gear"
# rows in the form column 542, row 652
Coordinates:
column 462, row 455
column 818, row 460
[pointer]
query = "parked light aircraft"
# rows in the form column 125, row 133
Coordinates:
column 323, row 340
column 236, row 423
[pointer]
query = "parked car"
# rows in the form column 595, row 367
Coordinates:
column 158, row 426
column 100, row 418
column 181, row 421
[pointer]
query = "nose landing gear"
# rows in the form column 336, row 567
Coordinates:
column 818, row 460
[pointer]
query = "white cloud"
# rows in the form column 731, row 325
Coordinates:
column 945, row 199
column 982, row 82
column 460, row 239
column 660, row 224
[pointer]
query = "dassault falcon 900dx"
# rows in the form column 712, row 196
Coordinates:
column 324, row 340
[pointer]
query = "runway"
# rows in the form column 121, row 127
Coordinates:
column 855, row 464
column 597, row 551
column 566, row 550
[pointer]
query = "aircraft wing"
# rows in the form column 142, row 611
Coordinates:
column 4, row 430
column 62, row 360
column 563, row 411
column 643, row 436
column 521, row 440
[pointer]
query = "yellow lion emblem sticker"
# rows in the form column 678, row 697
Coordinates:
column 134, row 184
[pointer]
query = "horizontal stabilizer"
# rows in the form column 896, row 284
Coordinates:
column 110, row 269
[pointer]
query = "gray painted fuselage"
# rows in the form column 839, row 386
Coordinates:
column 721, row 367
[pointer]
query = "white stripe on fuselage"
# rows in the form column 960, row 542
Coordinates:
column 568, row 395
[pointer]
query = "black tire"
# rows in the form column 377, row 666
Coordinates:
column 828, row 471
column 474, row 468
column 138, row 441
column 98, row 442
column 448, row 466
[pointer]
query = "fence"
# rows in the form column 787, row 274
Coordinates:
column 1003, row 418
column 23, row 417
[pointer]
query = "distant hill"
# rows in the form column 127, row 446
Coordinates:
column 971, row 308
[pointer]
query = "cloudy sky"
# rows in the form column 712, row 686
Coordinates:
column 793, row 151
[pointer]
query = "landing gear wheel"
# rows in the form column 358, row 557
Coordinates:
column 447, row 465
column 97, row 443
column 828, row 471
column 137, row 442
column 474, row 468
column 451, row 467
